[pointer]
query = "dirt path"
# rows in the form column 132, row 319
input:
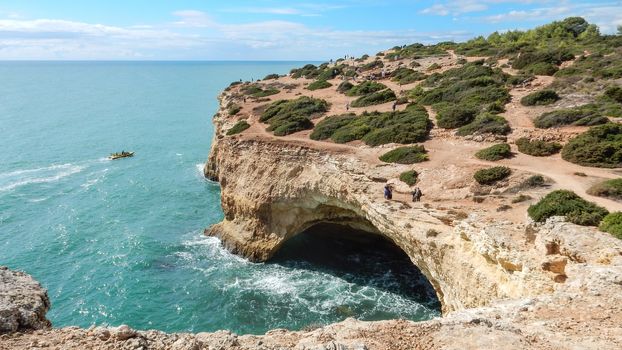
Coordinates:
column 452, row 160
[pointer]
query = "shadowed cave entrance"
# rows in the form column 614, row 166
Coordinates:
column 361, row 275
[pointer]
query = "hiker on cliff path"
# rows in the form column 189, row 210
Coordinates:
column 388, row 192
column 417, row 194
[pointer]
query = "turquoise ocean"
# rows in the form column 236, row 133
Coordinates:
column 120, row 242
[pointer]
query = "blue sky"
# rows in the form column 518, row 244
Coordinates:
column 263, row 29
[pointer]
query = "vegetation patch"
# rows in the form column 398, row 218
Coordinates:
column 372, row 65
column 600, row 146
column 494, row 153
column 540, row 98
column 405, row 76
column 365, row 88
column 289, row 116
column 271, row 77
column 609, row 188
column 344, row 87
column 586, row 115
column 569, row 205
column 319, row 84
column 418, row 50
column 238, row 127
column 492, row 175
column 537, row 148
column 472, row 86
column 452, row 116
column 405, row 155
column 374, row 98
column 409, row 177
column 521, row 198
column 234, row 109
column 612, row 223
column 256, row 91
column 408, row 126
column 486, row 123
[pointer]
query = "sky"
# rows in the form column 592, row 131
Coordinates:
column 264, row 29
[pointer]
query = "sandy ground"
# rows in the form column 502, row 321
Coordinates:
column 445, row 149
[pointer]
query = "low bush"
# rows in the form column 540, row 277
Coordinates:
column 612, row 223
column 433, row 66
column 486, row 123
column 541, row 68
column 614, row 93
column 271, row 77
column 568, row 204
column 405, row 76
column 529, row 58
column 234, row 109
column 344, row 87
column 405, row 155
column 238, row 127
column 586, row 115
column 408, row 126
column 609, row 188
column 494, row 153
column 289, row 116
column 409, row 177
column 319, row 84
column 256, row 91
column 521, row 198
column 365, row 88
column 540, row 98
column 374, row 98
column 492, row 175
column 534, row 181
column 372, row 65
column 452, row 116
column 537, row 148
column 600, row 146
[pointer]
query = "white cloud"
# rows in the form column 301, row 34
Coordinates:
column 266, row 10
column 192, row 18
column 457, row 7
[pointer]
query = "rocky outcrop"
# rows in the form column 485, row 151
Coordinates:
column 23, row 302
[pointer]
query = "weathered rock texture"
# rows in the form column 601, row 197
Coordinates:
column 23, row 302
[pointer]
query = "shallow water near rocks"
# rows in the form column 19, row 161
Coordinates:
column 121, row 241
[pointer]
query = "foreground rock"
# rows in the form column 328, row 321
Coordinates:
column 23, row 302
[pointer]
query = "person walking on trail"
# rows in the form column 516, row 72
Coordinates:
column 394, row 106
column 347, row 107
column 417, row 195
column 388, row 192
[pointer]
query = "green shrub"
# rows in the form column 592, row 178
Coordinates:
column 452, row 116
column 471, row 86
column 521, row 198
column 344, row 87
column 405, row 155
column 405, row 76
column 319, row 84
column 494, row 153
column 327, row 127
column 541, row 68
column 612, row 223
column 408, row 126
column 486, row 123
column 365, row 88
column 537, row 148
column 372, row 65
column 566, row 203
column 528, row 58
column 609, row 188
column 492, row 175
column 374, row 98
column 614, row 93
column 256, row 91
column 409, row 177
column 234, row 109
column 238, row 127
column 289, row 116
column 433, row 66
column 600, row 146
column 540, row 98
column 271, row 77
column 309, row 71
column 534, row 181
column 586, row 115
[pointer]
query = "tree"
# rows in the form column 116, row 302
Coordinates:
column 619, row 29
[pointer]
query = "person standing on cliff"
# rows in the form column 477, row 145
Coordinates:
column 417, row 195
column 388, row 192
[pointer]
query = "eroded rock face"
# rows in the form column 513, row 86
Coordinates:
column 23, row 302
